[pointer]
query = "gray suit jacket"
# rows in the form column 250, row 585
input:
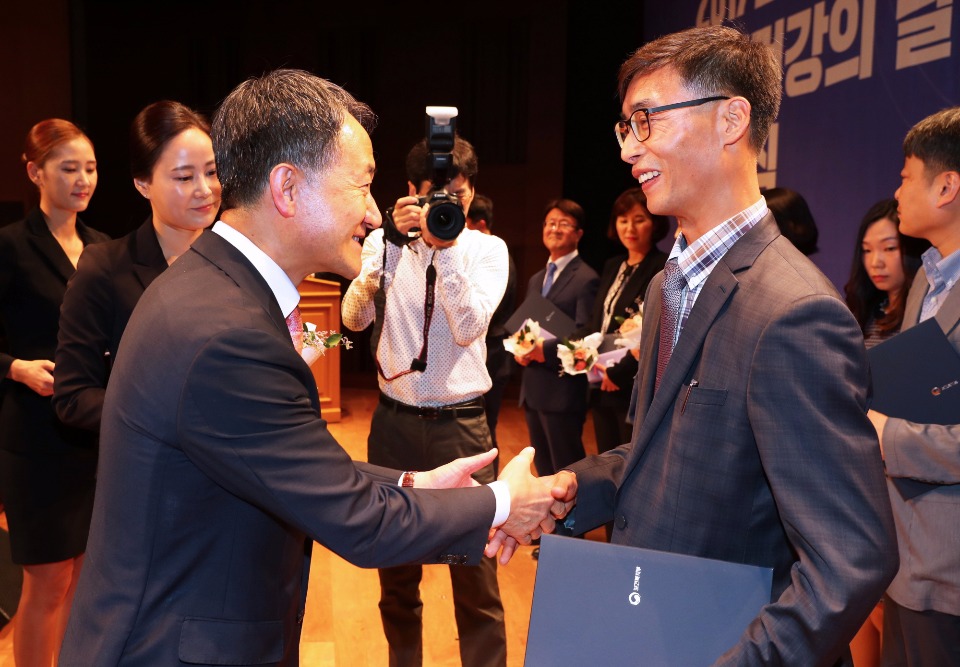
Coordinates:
column 767, row 459
column 923, row 477
column 216, row 471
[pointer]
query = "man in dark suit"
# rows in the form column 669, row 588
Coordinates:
column 921, row 611
column 556, row 405
column 216, row 470
column 751, row 442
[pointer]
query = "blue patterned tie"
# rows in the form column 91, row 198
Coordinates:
column 670, row 292
column 548, row 283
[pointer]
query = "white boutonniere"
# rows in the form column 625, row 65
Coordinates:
column 316, row 343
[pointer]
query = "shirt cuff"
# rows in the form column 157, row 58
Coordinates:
column 502, row 493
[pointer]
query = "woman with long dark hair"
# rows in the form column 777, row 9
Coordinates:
column 884, row 264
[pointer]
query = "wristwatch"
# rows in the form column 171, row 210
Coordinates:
column 407, row 479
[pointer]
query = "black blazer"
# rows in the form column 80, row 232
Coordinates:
column 216, row 471
column 33, row 278
column 500, row 363
column 100, row 296
column 623, row 372
column 542, row 388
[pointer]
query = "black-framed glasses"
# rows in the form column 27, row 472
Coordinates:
column 639, row 121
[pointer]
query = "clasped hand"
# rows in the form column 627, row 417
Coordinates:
column 536, row 503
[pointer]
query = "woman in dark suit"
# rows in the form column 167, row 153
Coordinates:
column 47, row 470
column 173, row 167
column 622, row 286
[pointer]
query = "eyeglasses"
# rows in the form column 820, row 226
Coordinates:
column 639, row 120
column 563, row 224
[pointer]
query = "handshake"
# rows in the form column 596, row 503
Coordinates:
column 536, row 503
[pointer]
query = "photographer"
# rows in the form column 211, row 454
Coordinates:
column 432, row 304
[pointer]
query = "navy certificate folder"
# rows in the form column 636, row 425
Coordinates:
column 553, row 322
column 916, row 376
column 605, row 604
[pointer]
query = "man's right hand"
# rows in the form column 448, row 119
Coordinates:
column 530, row 503
column 36, row 374
column 563, row 490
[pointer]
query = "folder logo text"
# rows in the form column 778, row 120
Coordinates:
column 936, row 391
column 634, row 596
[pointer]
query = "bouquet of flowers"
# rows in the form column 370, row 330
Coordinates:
column 630, row 329
column 315, row 343
column 522, row 342
column 579, row 356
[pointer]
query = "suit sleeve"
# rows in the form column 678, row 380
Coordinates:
column 806, row 405
column 924, row 452
column 357, row 309
column 6, row 278
column 262, row 439
column 86, row 316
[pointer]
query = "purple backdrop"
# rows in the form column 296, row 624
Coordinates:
column 857, row 75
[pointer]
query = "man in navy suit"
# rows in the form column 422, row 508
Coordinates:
column 751, row 442
column 556, row 405
column 216, row 470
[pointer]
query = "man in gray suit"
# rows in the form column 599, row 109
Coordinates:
column 921, row 620
column 751, row 442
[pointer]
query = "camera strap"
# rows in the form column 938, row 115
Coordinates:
column 419, row 364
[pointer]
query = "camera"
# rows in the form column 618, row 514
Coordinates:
column 445, row 218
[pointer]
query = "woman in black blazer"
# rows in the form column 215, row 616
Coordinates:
column 623, row 284
column 47, row 470
column 173, row 167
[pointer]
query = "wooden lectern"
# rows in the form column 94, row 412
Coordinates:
column 320, row 304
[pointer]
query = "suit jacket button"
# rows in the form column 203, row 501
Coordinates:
column 621, row 522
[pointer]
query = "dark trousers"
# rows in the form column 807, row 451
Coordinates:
column 919, row 638
column 492, row 401
column 557, row 438
column 407, row 442
column 610, row 425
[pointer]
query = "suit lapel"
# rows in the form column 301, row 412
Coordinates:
column 47, row 247
column 948, row 317
column 148, row 260
column 231, row 261
column 565, row 277
column 918, row 290
column 949, row 314
column 631, row 291
column 653, row 408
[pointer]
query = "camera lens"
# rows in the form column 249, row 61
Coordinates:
column 445, row 219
